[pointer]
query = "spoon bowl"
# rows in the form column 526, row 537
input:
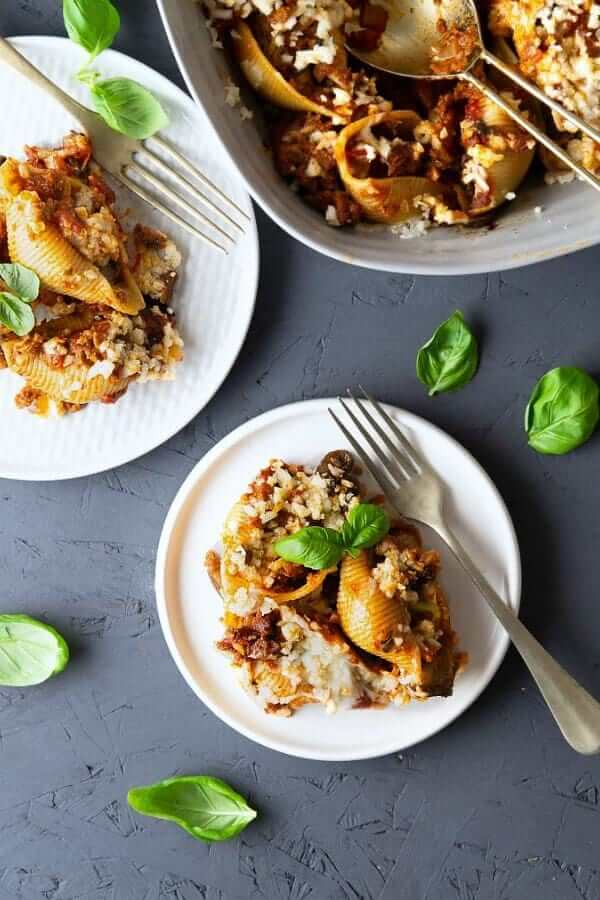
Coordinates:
column 434, row 39
column 414, row 28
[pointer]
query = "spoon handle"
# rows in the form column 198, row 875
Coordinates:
column 533, row 89
column 529, row 126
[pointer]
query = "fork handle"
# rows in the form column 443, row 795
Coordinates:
column 20, row 64
column 576, row 712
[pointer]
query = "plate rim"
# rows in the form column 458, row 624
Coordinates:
column 83, row 472
column 179, row 501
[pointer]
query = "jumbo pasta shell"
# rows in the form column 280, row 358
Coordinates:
column 272, row 684
column 370, row 619
column 386, row 200
column 267, row 81
column 10, row 182
column 39, row 245
column 506, row 174
column 237, row 531
column 71, row 385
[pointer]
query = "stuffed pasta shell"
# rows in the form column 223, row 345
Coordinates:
column 66, row 231
column 300, row 69
column 93, row 354
column 99, row 322
column 370, row 630
column 384, row 167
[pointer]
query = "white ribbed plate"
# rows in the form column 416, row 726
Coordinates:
column 214, row 297
column 190, row 608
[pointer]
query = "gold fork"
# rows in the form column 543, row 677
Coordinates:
column 415, row 491
column 121, row 156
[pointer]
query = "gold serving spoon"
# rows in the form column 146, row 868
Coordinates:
column 413, row 46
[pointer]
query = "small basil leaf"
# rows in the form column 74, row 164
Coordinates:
column 30, row 651
column 93, row 24
column 313, row 547
column 20, row 281
column 15, row 314
column 366, row 524
column 449, row 359
column 563, row 411
column 205, row 807
column 128, row 107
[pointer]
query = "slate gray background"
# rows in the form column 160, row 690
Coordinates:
column 496, row 807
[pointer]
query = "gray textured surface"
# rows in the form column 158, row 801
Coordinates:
column 494, row 808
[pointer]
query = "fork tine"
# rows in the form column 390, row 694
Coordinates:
column 187, row 165
column 158, row 184
column 404, row 460
column 416, row 459
column 140, row 192
column 187, row 185
column 380, row 477
column 392, row 466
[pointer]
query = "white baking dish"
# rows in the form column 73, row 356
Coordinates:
column 569, row 218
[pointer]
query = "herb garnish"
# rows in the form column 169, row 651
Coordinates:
column 23, row 287
column 125, row 105
column 30, row 651
column 450, row 357
column 205, row 807
column 93, row 24
column 321, row 548
column 563, row 411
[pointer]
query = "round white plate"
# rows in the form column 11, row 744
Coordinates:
column 214, row 296
column 190, row 609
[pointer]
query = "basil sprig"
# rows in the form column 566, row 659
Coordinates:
column 205, row 807
column 322, row 548
column 563, row 411
column 125, row 105
column 30, row 651
column 93, row 24
column 23, row 287
column 450, row 357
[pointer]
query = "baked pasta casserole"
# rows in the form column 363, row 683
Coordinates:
column 359, row 145
column 372, row 631
column 103, row 316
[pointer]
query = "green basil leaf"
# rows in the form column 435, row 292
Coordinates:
column 20, row 281
column 93, row 24
column 366, row 524
column 30, row 651
column 128, row 107
column 205, row 807
column 15, row 314
column 313, row 547
column 563, row 410
column 449, row 359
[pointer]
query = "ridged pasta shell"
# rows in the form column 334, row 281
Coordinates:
column 70, row 385
column 385, row 200
column 504, row 177
column 369, row 618
column 40, row 246
column 271, row 681
column 313, row 582
column 507, row 174
column 10, row 182
column 267, row 81
column 238, row 529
